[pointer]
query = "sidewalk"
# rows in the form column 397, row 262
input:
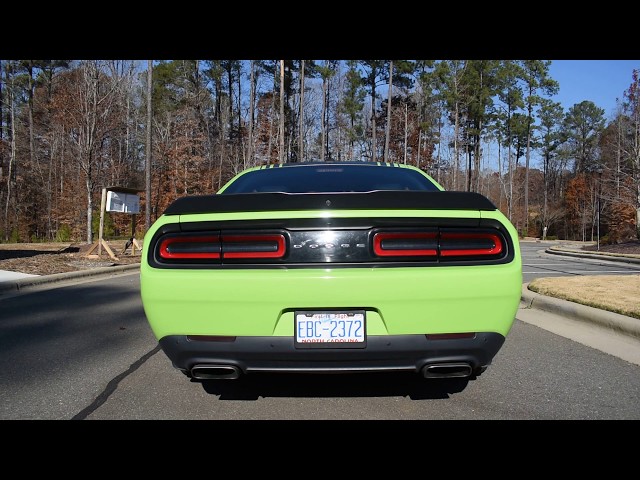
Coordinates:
column 7, row 275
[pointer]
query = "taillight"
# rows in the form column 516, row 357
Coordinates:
column 193, row 247
column 253, row 246
column 467, row 244
column 405, row 244
column 222, row 247
column 443, row 245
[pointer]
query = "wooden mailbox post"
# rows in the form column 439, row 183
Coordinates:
column 118, row 199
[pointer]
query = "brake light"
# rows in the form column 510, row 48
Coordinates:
column 201, row 247
column 405, row 244
column 253, row 246
column 443, row 245
column 222, row 247
column 470, row 244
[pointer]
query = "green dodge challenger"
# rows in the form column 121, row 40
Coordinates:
column 338, row 267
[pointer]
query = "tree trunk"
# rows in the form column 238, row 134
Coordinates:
column 545, row 176
column 510, row 170
column 388, row 126
column 618, row 159
column 323, row 124
column 86, row 137
column 456, row 147
column 469, row 167
column 439, row 157
column 373, row 120
column 32, row 150
column 89, row 187
column 272, row 116
column 406, row 129
column 239, row 113
column 281, row 152
column 1, row 126
column 339, row 133
column 526, row 169
column 252, row 95
column 326, row 114
column 12, row 160
column 147, row 216
column 301, row 124
column 478, row 157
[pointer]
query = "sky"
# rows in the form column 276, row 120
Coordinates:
column 601, row 81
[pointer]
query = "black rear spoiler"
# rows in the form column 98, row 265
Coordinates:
column 376, row 200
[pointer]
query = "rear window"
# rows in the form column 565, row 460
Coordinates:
column 330, row 178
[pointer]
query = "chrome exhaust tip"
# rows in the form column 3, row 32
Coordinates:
column 447, row 370
column 215, row 372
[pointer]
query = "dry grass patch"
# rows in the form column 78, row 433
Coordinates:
column 615, row 293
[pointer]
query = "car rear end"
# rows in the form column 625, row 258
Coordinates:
column 427, row 282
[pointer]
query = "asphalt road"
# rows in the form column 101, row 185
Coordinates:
column 536, row 263
column 84, row 351
column 61, row 347
column 537, row 375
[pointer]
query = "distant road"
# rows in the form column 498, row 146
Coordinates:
column 536, row 263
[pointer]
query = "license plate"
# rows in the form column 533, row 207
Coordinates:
column 330, row 329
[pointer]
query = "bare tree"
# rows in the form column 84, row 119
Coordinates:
column 388, row 126
column 252, row 103
column 89, row 115
column 450, row 74
column 12, row 153
column 301, row 124
column 281, row 133
column 147, row 223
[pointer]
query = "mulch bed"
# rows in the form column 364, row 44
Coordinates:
column 629, row 248
column 51, row 258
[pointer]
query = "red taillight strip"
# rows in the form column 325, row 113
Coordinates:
column 378, row 238
column 214, row 242
column 239, row 246
column 495, row 249
column 254, row 246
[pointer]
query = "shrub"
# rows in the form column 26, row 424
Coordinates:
column 64, row 233
column 107, row 229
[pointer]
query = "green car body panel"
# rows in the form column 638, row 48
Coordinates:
column 398, row 300
column 231, row 302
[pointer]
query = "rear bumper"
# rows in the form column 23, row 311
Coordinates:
column 416, row 353
column 397, row 301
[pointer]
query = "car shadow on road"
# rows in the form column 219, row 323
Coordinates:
column 256, row 385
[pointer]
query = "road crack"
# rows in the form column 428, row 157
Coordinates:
column 113, row 385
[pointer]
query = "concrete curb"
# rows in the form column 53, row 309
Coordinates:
column 598, row 256
column 23, row 283
column 614, row 321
